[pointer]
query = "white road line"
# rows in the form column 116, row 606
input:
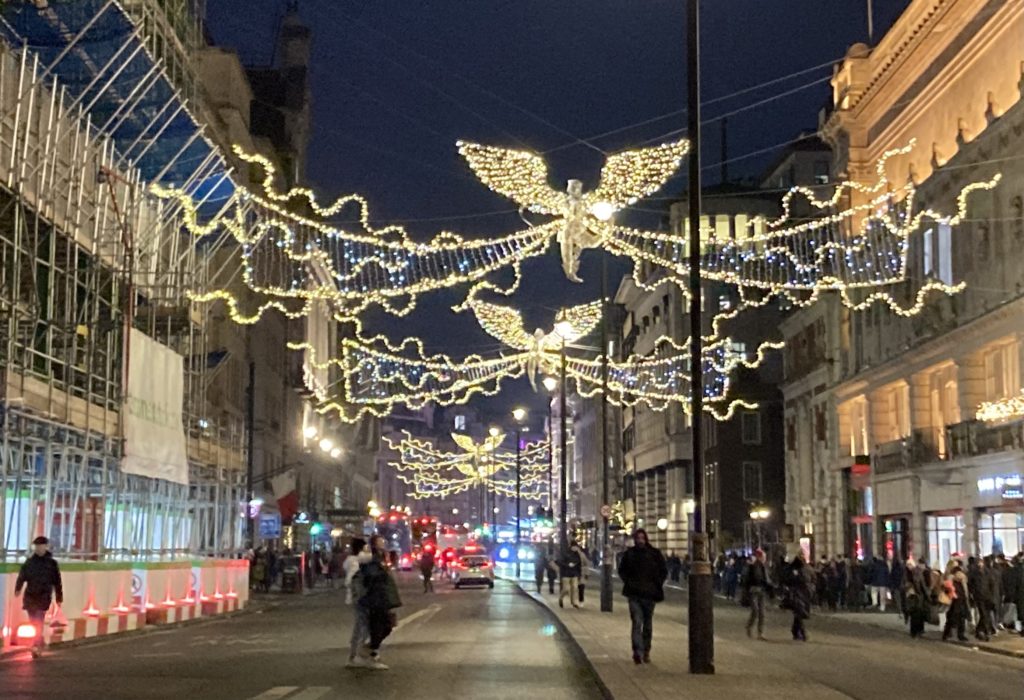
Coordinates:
column 425, row 612
column 314, row 692
column 278, row 692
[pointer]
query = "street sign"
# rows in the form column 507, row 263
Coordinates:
column 270, row 526
column 606, row 511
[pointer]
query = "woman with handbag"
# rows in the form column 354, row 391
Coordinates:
column 957, row 590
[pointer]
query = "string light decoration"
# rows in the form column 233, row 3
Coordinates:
column 1001, row 410
column 434, row 473
column 375, row 375
column 861, row 247
column 290, row 256
column 626, row 177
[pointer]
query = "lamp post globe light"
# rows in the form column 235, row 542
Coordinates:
column 759, row 514
column 519, row 415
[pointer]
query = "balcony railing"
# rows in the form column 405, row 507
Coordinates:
column 903, row 454
column 972, row 437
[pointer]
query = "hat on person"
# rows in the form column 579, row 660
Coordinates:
column 40, row 540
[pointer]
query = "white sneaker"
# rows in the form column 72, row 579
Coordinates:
column 357, row 662
column 377, row 665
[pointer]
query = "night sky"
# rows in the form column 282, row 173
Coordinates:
column 396, row 82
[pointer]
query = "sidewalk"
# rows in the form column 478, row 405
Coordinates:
column 1008, row 643
column 604, row 640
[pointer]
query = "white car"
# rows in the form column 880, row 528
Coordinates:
column 472, row 569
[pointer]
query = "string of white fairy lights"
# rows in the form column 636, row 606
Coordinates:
column 292, row 261
column 435, row 473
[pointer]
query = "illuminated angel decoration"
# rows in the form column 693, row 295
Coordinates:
column 434, row 473
column 506, row 324
column 626, row 177
column 376, row 375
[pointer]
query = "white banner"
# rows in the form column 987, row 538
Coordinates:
column 154, row 435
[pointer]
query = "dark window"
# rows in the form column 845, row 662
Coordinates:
column 750, row 422
column 752, row 481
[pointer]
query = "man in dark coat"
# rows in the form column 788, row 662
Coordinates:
column 40, row 577
column 643, row 572
column 978, row 587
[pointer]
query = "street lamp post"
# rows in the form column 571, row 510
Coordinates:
column 759, row 514
column 700, row 613
column 563, row 524
column 519, row 414
column 550, row 383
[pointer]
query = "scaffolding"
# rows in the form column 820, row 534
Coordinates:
column 97, row 103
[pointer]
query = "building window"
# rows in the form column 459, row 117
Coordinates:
column 752, row 481
column 938, row 253
column 750, row 423
column 1002, row 379
column 1001, row 533
column 945, row 536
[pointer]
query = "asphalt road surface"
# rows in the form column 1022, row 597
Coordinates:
column 471, row 643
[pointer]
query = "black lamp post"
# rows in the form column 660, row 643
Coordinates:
column 519, row 414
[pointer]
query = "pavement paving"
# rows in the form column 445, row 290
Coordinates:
column 843, row 659
column 475, row 643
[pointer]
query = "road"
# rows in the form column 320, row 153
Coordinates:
column 452, row 644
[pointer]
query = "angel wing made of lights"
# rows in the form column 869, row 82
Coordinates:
column 377, row 375
column 585, row 218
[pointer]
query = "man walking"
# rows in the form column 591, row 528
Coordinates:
column 643, row 573
column 40, row 577
column 427, row 569
column 755, row 586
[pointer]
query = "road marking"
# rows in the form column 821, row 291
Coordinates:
column 425, row 612
column 278, row 692
column 312, row 693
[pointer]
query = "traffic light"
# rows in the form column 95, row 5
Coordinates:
column 315, row 529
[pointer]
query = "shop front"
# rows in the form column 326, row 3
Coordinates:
column 1000, row 517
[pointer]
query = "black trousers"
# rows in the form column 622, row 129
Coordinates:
column 798, row 628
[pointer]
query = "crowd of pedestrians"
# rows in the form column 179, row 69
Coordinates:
column 984, row 595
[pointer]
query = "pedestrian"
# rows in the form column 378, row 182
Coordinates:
column 427, row 569
column 378, row 598
column 271, row 571
column 755, row 586
column 540, row 567
column 800, row 594
column 978, row 590
column 957, row 590
column 675, row 566
column 40, row 577
column 1018, row 589
column 552, row 569
column 643, row 572
column 358, row 556
column 897, row 573
column 879, row 574
column 842, row 581
column 994, row 583
column 856, row 598
column 732, row 575
column 686, row 565
column 570, row 567
column 917, row 588
column 1007, row 585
